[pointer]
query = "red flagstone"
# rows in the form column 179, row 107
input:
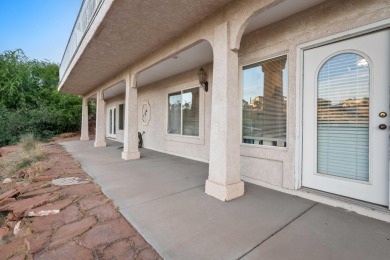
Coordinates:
column 69, row 231
column 10, row 223
column 34, row 186
column 4, row 231
column 9, row 194
column 10, row 249
column 42, row 178
column 39, row 192
column 37, row 241
column 139, row 242
column 68, row 215
column 90, row 202
column 20, row 206
column 119, row 250
column 90, row 227
column 104, row 212
column 103, row 234
column 81, row 190
column 148, row 254
column 6, row 201
column 44, row 210
column 67, row 252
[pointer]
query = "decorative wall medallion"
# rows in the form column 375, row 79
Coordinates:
column 145, row 113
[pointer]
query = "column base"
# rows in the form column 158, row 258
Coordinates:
column 100, row 144
column 131, row 156
column 224, row 192
column 84, row 138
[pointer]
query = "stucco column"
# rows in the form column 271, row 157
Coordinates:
column 100, row 136
column 84, row 121
column 130, row 143
column 224, row 181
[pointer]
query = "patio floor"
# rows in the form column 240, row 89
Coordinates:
column 163, row 197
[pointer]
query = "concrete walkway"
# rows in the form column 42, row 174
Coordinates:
column 163, row 197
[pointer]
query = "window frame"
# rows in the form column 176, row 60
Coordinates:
column 241, row 77
column 180, row 137
column 181, row 114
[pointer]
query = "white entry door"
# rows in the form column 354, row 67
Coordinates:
column 346, row 118
column 111, row 122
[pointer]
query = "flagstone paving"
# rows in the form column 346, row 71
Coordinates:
column 47, row 221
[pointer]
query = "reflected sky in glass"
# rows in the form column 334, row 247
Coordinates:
column 344, row 76
column 253, row 83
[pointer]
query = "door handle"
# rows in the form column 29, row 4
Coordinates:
column 382, row 126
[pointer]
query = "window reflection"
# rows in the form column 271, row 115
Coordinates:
column 264, row 104
column 174, row 113
column 183, row 112
column 343, row 117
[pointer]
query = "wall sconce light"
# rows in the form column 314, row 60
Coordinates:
column 203, row 79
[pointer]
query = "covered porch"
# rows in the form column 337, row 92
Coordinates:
column 163, row 197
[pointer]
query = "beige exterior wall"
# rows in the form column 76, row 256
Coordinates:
column 271, row 165
column 155, row 136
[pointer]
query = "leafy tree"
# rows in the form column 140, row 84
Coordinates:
column 30, row 101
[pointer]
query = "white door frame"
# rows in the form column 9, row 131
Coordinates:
column 108, row 119
column 299, row 83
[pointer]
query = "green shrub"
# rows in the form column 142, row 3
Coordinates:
column 30, row 101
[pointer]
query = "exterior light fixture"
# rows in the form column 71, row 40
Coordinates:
column 203, row 79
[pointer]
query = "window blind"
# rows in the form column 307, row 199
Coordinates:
column 174, row 113
column 264, row 102
column 190, row 110
column 343, row 86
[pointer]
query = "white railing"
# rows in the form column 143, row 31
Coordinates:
column 86, row 15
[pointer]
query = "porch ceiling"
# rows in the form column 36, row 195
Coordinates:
column 129, row 31
column 202, row 53
column 196, row 56
column 116, row 90
column 279, row 12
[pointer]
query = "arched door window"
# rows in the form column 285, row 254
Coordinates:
column 343, row 88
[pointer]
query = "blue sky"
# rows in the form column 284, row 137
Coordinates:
column 40, row 27
column 253, row 83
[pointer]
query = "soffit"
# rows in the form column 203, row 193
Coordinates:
column 130, row 30
column 116, row 90
column 202, row 53
column 194, row 57
column 279, row 12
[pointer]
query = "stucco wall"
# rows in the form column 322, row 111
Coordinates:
column 273, row 165
column 155, row 136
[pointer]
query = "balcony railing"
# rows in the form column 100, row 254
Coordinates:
column 85, row 18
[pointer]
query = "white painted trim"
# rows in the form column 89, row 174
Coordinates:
column 361, row 210
column 366, row 29
column 240, row 79
column 114, row 108
column 199, row 140
column 298, row 118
